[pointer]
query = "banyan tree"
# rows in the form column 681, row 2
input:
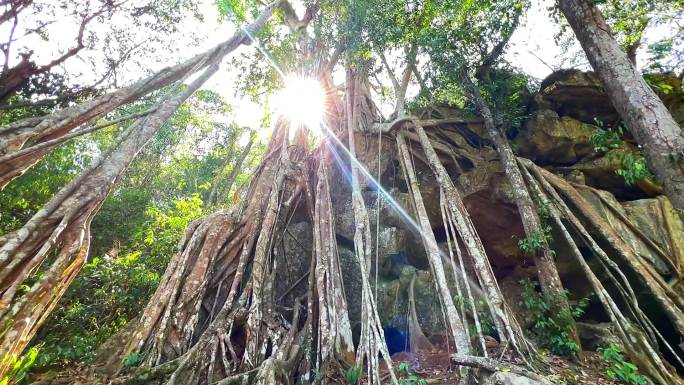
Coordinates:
column 290, row 283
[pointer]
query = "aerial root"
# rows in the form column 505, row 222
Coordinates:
column 634, row 333
column 493, row 365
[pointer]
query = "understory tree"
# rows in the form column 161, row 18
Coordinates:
column 464, row 53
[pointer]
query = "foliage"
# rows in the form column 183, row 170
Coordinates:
column 114, row 288
column 137, row 229
column 407, row 377
column 536, row 241
column 112, row 39
column 633, row 166
column 551, row 324
column 630, row 21
column 19, row 367
column 26, row 195
column 604, row 140
column 621, row 369
column 353, row 375
column 132, row 360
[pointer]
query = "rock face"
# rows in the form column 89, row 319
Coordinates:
column 563, row 117
column 596, row 335
column 578, row 95
column 548, row 138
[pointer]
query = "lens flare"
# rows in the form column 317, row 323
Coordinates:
column 302, row 102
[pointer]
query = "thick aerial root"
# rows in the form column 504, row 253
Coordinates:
column 419, row 342
column 213, row 313
column 63, row 225
column 459, row 225
column 497, row 366
column 371, row 341
column 455, row 323
column 669, row 300
column 37, row 135
column 334, row 330
column 641, row 349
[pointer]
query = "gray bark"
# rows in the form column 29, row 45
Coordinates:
column 644, row 114
column 63, row 225
column 547, row 273
column 505, row 321
column 459, row 333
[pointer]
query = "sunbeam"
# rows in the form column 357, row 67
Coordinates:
column 302, row 102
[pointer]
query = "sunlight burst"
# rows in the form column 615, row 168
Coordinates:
column 302, row 102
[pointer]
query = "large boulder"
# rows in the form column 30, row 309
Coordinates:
column 578, row 95
column 648, row 226
column 597, row 335
column 548, row 138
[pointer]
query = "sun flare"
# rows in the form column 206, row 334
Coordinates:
column 302, row 102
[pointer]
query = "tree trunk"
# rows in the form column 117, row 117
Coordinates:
column 222, row 187
column 213, row 312
column 671, row 303
column 64, row 225
column 27, row 132
column 644, row 114
column 640, row 348
column 371, row 341
column 547, row 273
column 334, row 330
column 14, row 78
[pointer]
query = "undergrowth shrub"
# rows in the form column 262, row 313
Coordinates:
column 19, row 367
column 633, row 166
column 620, row 369
column 552, row 322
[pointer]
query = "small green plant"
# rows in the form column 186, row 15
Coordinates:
column 551, row 325
column 620, row 369
column 536, row 241
column 632, row 164
column 19, row 366
column 604, row 140
column 132, row 360
column 633, row 169
column 353, row 375
column 407, row 377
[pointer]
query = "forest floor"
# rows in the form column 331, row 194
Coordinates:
column 436, row 369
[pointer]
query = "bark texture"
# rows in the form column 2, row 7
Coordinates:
column 62, row 227
column 372, row 342
column 644, row 114
column 639, row 336
column 458, row 331
column 547, row 273
column 463, row 228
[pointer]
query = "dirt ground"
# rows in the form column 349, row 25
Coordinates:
column 436, row 369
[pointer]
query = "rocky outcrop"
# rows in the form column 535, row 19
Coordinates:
column 557, row 136
column 548, row 138
column 578, row 95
